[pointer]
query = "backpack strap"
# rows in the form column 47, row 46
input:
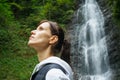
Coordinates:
column 40, row 75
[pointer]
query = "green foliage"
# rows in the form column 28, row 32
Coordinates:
column 6, row 15
column 116, row 10
column 5, row 39
column 16, row 68
column 115, row 4
column 59, row 10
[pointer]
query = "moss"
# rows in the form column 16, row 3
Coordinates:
column 115, row 4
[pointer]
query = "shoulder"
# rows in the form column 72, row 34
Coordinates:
column 56, row 74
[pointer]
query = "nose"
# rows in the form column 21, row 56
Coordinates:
column 33, row 32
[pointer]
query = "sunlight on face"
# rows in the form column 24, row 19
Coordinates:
column 40, row 36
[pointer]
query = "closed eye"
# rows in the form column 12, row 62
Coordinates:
column 40, row 28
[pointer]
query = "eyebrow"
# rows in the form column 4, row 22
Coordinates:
column 40, row 27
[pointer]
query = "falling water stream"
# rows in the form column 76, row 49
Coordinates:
column 89, row 42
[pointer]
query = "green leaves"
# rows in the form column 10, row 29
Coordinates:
column 6, row 15
column 58, row 10
column 115, row 7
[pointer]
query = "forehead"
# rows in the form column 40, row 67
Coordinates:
column 45, row 25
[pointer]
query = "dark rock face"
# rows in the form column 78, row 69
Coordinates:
column 113, row 40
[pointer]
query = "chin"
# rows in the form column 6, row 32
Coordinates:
column 30, row 43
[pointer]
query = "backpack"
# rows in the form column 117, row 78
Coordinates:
column 40, row 74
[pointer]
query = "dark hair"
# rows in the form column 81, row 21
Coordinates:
column 62, row 46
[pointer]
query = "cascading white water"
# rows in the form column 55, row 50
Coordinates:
column 89, row 41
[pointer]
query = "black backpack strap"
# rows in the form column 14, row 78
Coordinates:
column 40, row 75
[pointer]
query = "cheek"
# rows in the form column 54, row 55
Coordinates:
column 43, row 37
column 41, row 40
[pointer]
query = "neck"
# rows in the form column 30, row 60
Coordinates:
column 44, row 54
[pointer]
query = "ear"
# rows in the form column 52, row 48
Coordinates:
column 53, row 39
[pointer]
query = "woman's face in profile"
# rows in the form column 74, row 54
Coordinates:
column 40, row 36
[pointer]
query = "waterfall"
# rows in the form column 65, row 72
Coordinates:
column 88, row 44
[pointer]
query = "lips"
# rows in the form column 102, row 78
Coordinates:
column 31, row 37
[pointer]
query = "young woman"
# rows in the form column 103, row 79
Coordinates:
column 48, row 40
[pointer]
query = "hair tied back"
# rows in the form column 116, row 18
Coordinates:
column 65, row 55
